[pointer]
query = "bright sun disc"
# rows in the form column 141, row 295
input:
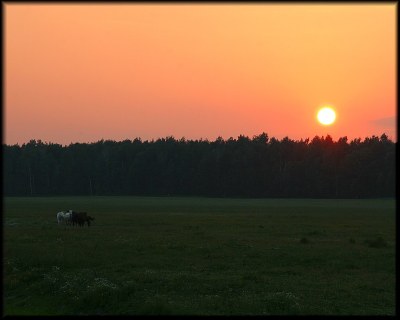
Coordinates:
column 326, row 116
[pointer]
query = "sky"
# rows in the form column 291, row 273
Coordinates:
column 86, row 72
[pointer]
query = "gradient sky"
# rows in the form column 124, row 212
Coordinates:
column 85, row 72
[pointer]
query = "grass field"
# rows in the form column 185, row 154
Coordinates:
column 199, row 256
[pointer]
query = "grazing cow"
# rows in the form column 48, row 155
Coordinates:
column 80, row 218
column 74, row 217
column 60, row 217
column 88, row 219
column 64, row 217
column 67, row 217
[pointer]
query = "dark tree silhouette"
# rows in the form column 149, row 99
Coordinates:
column 242, row 167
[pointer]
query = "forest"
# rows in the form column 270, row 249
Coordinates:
column 257, row 167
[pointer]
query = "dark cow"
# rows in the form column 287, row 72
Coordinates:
column 88, row 219
column 79, row 218
column 74, row 217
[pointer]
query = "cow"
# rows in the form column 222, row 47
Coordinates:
column 76, row 218
column 80, row 218
column 64, row 217
column 88, row 219
column 60, row 217
column 67, row 217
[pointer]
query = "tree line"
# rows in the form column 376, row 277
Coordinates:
column 242, row 167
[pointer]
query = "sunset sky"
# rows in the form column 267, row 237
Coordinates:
column 85, row 72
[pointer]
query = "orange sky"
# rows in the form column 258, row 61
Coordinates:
column 81, row 73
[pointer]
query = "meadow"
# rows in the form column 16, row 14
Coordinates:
column 199, row 256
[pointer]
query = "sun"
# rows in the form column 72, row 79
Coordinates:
column 326, row 116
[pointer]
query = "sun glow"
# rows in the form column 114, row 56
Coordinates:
column 326, row 116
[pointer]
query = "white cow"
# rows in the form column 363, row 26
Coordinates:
column 60, row 217
column 64, row 217
column 67, row 217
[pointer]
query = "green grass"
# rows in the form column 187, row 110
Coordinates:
column 200, row 256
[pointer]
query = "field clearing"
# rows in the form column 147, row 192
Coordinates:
column 200, row 256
